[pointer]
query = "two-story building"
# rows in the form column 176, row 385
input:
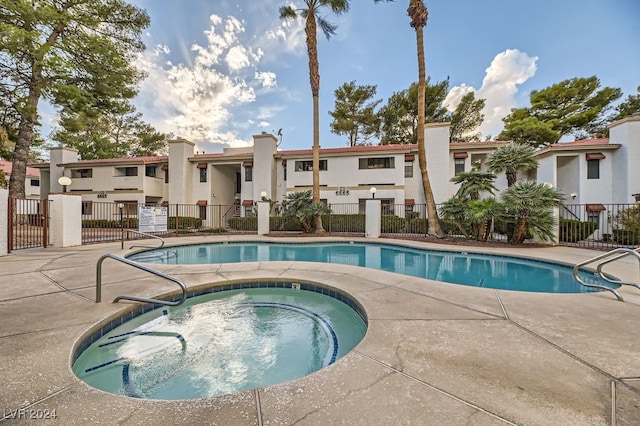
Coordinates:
column 594, row 172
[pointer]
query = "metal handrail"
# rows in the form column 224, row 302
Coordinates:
column 146, row 235
column 624, row 252
column 144, row 268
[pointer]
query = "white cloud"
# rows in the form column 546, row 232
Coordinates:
column 197, row 99
column 237, row 58
column 268, row 79
column 499, row 87
column 455, row 95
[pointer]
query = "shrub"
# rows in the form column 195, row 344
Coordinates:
column 184, row 222
column 279, row 223
column 128, row 222
column 212, row 230
column 626, row 237
column 392, row 223
column 344, row 222
column 249, row 223
column 575, row 230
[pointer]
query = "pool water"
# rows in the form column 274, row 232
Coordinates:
column 221, row 343
column 480, row 270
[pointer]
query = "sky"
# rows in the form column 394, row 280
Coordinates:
column 221, row 71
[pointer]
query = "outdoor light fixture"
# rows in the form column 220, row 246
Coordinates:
column 548, row 185
column 263, row 195
column 64, row 181
column 574, row 195
column 373, row 192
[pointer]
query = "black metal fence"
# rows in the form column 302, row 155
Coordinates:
column 102, row 221
column 597, row 226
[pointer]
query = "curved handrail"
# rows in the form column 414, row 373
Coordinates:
column 146, row 235
column 144, row 268
column 625, row 252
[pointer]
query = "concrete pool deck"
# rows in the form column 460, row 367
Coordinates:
column 434, row 353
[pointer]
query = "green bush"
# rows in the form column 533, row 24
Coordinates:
column 212, row 230
column 279, row 223
column 626, row 237
column 128, row 222
column 572, row 230
column 184, row 222
column 344, row 222
column 392, row 223
column 249, row 223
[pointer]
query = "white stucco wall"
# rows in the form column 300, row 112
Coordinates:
column 626, row 161
column 264, row 165
column 181, row 171
column 436, row 140
column 59, row 155
column 65, row 220
column 4, row 218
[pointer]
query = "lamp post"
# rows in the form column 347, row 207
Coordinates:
column 64, row 181
column 373, row 192
column 263, row 195
column 121, row 207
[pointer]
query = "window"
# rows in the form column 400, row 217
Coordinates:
column 459, row 165
column 150, row 171
column 35, row 182
column 81, row 173
column 305, row 166
column 203, row 175
column 377, row 163
column 131, row 171
column 593, row 169
column 408, row 169
column 87, row 207
column 248, row 174
column 166, row 176
column 284, row 168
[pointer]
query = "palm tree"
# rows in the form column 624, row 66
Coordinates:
column 511, row 159
column 311, row 15
column 473, row 183
column 418, row 13
column 531, row 203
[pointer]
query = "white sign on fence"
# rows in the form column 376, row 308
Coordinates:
column 152, row 219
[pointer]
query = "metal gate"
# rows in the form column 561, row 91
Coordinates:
column 28, row 224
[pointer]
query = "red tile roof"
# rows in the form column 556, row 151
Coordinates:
column 7, row 166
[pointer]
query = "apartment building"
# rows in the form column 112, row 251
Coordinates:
column 594, row 172
column 31, row 182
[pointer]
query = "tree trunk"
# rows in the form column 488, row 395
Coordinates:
column 520, row 231
column 314, row 77
column 432, row 211
column 28, row 116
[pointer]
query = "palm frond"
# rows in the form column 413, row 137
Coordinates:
column 327, row 27
column 288, row 12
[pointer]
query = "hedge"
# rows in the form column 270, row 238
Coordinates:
column 184, row 222
column 130, row 222
column 572, row 230
column 626, row 237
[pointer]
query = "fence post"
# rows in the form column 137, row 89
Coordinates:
column 66, row 220
column 263, row 217
column 4, row 222
column 373, row 218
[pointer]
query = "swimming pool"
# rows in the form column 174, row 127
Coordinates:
column 480, row 270
column 222, row 342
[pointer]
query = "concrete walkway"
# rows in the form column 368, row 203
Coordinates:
column 434, row 353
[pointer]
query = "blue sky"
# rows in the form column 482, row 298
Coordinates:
column 221, row 71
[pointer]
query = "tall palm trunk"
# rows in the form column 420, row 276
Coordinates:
column 314, row 77
column 418, row 13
